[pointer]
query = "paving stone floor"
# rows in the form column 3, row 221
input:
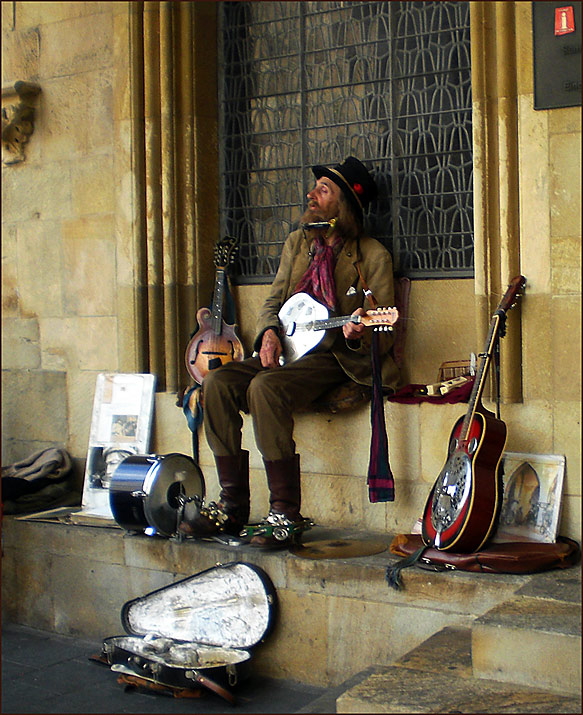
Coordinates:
column 48, row 673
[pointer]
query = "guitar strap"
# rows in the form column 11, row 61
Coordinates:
column 367, row 292
column 380, row 480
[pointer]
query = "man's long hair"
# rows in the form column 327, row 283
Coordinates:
column 349, row 225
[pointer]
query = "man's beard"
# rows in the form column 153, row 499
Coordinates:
column 345, row 225
column 313, row 215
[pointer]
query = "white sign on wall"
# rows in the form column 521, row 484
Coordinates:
column 121, row 425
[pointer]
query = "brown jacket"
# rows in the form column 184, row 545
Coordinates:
column 377, row 269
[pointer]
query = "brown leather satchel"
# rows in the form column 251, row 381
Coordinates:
column 508, row 557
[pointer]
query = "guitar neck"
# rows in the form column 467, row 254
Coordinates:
column 216, row 319
column 480, row 380
column 514, row 289
column 382, row 319
column 336, row 322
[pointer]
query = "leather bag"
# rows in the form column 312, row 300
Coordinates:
column 519, row 557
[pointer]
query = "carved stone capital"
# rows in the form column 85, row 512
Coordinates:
column 18, row 105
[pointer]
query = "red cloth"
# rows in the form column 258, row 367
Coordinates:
column 318, row 280
column 409, row 396
column 380, row 480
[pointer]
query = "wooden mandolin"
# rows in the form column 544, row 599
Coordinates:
column 216, row 342
column 463, row 507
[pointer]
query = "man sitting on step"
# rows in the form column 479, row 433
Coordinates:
column 338, row 265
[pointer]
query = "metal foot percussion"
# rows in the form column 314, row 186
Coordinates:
column 279, row 528
column 148, row 492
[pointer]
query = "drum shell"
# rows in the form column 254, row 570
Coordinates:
column 144, row 489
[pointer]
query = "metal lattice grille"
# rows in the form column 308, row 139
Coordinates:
column 307, row 83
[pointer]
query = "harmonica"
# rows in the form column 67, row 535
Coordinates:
column 317, row 224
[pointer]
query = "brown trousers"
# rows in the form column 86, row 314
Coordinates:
column 270, row 395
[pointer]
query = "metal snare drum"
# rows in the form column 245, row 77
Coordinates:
column 147, row 491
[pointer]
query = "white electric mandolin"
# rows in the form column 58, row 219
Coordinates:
column 305, row 323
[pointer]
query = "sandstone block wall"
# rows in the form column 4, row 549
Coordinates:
column 68, row 282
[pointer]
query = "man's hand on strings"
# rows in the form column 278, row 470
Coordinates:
column 270, row 349
column 354, row 331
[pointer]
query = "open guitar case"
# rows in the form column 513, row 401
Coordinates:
column 197, row 633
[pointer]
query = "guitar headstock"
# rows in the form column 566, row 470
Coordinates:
column 380, row 318
column 511, row 296
column 225, row 252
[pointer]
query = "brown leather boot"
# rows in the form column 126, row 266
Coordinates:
column 284, row 481
column 231, row 512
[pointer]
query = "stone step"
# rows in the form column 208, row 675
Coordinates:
column 535, row 637
column 531, row 641
column 336, row 616
column 437, row 677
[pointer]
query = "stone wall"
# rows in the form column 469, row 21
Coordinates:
column 333, row 620
column 58, row 218
column 549, row 421
column 68, row 282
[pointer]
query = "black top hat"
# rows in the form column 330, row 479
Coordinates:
column 355, row 181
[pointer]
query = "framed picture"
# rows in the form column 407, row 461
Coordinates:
column 533, row 489
column 121, row 425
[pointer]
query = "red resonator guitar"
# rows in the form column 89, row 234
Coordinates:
column 462, row 510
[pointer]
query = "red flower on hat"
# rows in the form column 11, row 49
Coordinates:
column 358, row 188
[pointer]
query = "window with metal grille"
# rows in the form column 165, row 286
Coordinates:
column 305, row 83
